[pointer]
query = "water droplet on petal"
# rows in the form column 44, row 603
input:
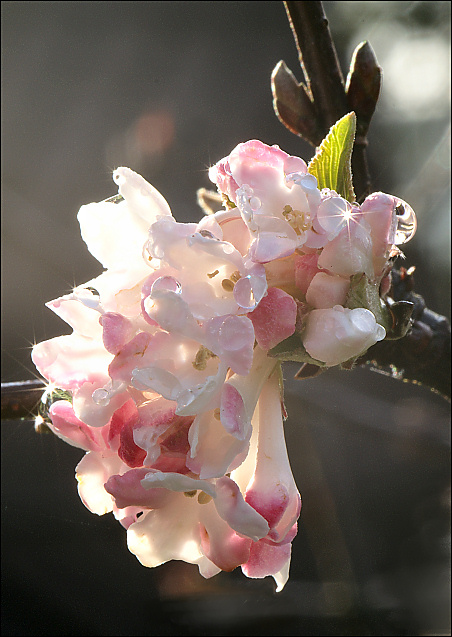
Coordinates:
column 101, row 397
column 166, row 284
column 406, row 223
column 232, row 335
column 228, row 248
column 255, row 203
column 306, row 181
column 207, row 234
column 243, row 293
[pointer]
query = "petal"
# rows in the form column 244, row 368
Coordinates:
column 145, row 201
column 305, row 270
column 233, row 414
column 176, row 482
column 337, row 334
column 266, row 559
column 92, row 472
column 240, row 395
column 113, row 233
column 349, row 253
column 69, row 361
column 327, row 290
column 127, row 490
column 236, row 512
column 219, row 542
column 213, row 451
column 272, row 490
column 98, row 414
column 274, row 318
column 275, row 239
column 133, row 354
column 75, row 310
column 117, row 330
column 69, row 428
column 168, row 533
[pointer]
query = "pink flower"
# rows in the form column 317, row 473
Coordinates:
column 274, row 194
column 274, row 318
column 174, row 397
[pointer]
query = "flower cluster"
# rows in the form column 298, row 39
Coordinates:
column 173, row 366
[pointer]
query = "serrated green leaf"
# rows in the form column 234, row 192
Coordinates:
column 331, row 164
column 365, row 294
column 292, row 349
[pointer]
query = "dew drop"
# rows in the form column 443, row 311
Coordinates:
column 166, row 284
column 101, row 397
column 228, row 248
column 255, row 203
column 406, row 223
column 207, row 234
column 243, row 293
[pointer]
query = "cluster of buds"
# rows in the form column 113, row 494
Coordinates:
column 172, row 371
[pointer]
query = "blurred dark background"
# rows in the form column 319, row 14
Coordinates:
column 168, row 88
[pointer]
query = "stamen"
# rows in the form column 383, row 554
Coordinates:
column 212, row 274
column 299, row 221
column 202, row 356
column 227, row 285
column 190, row 494
column 203, row 497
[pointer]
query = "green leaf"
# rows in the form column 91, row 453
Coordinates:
column 331, row 164
column 365, row 294
column 292, row 349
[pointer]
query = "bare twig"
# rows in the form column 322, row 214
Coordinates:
column 20, row 399
column 318, row 59
column 310, row 109
column 423, row 355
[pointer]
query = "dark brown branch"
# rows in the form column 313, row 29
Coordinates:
column 20, row 399
column 318, row 59
column 423, row 355
column 310, row 110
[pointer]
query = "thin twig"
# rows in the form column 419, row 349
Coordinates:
column 21, row 398
column 423, row 355
column 318, row 59
column 310, row 109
